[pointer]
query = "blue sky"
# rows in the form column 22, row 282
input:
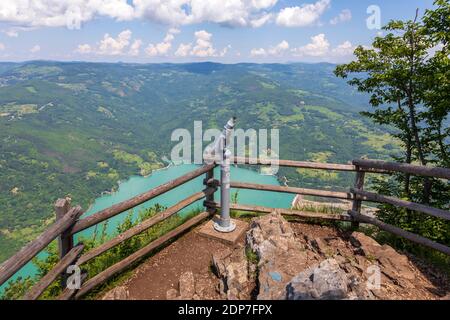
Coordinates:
column 226, row 31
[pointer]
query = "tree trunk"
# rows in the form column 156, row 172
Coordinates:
column 412, row 113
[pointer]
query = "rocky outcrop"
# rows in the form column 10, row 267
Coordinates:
column 118, row 293
column 281, row 256
column 232, row 269
column 295, row 261
column 294, row 265
column 324, row 282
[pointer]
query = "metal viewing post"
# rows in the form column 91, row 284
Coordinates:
column 224, row 223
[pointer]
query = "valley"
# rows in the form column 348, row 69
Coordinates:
column 78, row 129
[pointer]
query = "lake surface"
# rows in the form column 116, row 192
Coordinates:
column 137, row 185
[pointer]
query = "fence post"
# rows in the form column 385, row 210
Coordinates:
column 359, row 184
column 65, row 240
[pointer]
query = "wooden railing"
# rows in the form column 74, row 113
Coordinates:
column 68, row 222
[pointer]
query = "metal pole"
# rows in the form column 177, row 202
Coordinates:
column 225, row 224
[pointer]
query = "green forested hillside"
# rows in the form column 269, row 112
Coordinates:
column 78, row 128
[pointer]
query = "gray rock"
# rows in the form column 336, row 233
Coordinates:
column 118, row 293
column 281, row 256
column 232, row 269
column 324, row 282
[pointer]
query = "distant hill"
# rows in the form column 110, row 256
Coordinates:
column 78, row 128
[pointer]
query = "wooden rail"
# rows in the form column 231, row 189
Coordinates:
column 122, row 265
column 435, row 172
column 145, row 225
column 135, row 201
column 369, row 196
column 302, row 191
column 67, row 223
column 13, row 264
column 306, row 165
column 286, row 212
column 51, row 276
column 400, row 232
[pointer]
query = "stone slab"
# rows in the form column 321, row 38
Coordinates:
column 207, row 230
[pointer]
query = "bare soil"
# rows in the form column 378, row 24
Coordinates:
column 192, row 252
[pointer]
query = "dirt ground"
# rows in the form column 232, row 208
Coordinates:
column 193, row 252
column 161, row 272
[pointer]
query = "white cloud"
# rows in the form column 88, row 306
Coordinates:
column 35, row 49
column 202, row 48
column 2, row 47
column 236, row 13
column 12, row 33
column 56, row 13
column 262, row 20
column 124, row 44
column 277, row 50
column 304, row 15
column 261, row 52
column 73, row 13
column 344, row 50
column 183, row 50
column 135, row 47
column 224, row 51
column 162, row 48
column 345, row 15
column 115, row 46
column 84, row 49
column 319, row 46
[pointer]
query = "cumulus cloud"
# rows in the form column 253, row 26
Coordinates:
column 345, row 15
column 122, row 44
column 344, row 50
column 73, row 13
column 35, row 49
column 302, row 16
column 183, row 50
column 319, row 46
column 202, row 47
column 235, row 13
column 260, row 52
column 135, row 47
column 259, row 22
column 277, row 50
column 115, row 46
column 84, row 49
column 56, row 13
column 162, row 48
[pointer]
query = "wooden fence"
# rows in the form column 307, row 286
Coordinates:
column 68, row 221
